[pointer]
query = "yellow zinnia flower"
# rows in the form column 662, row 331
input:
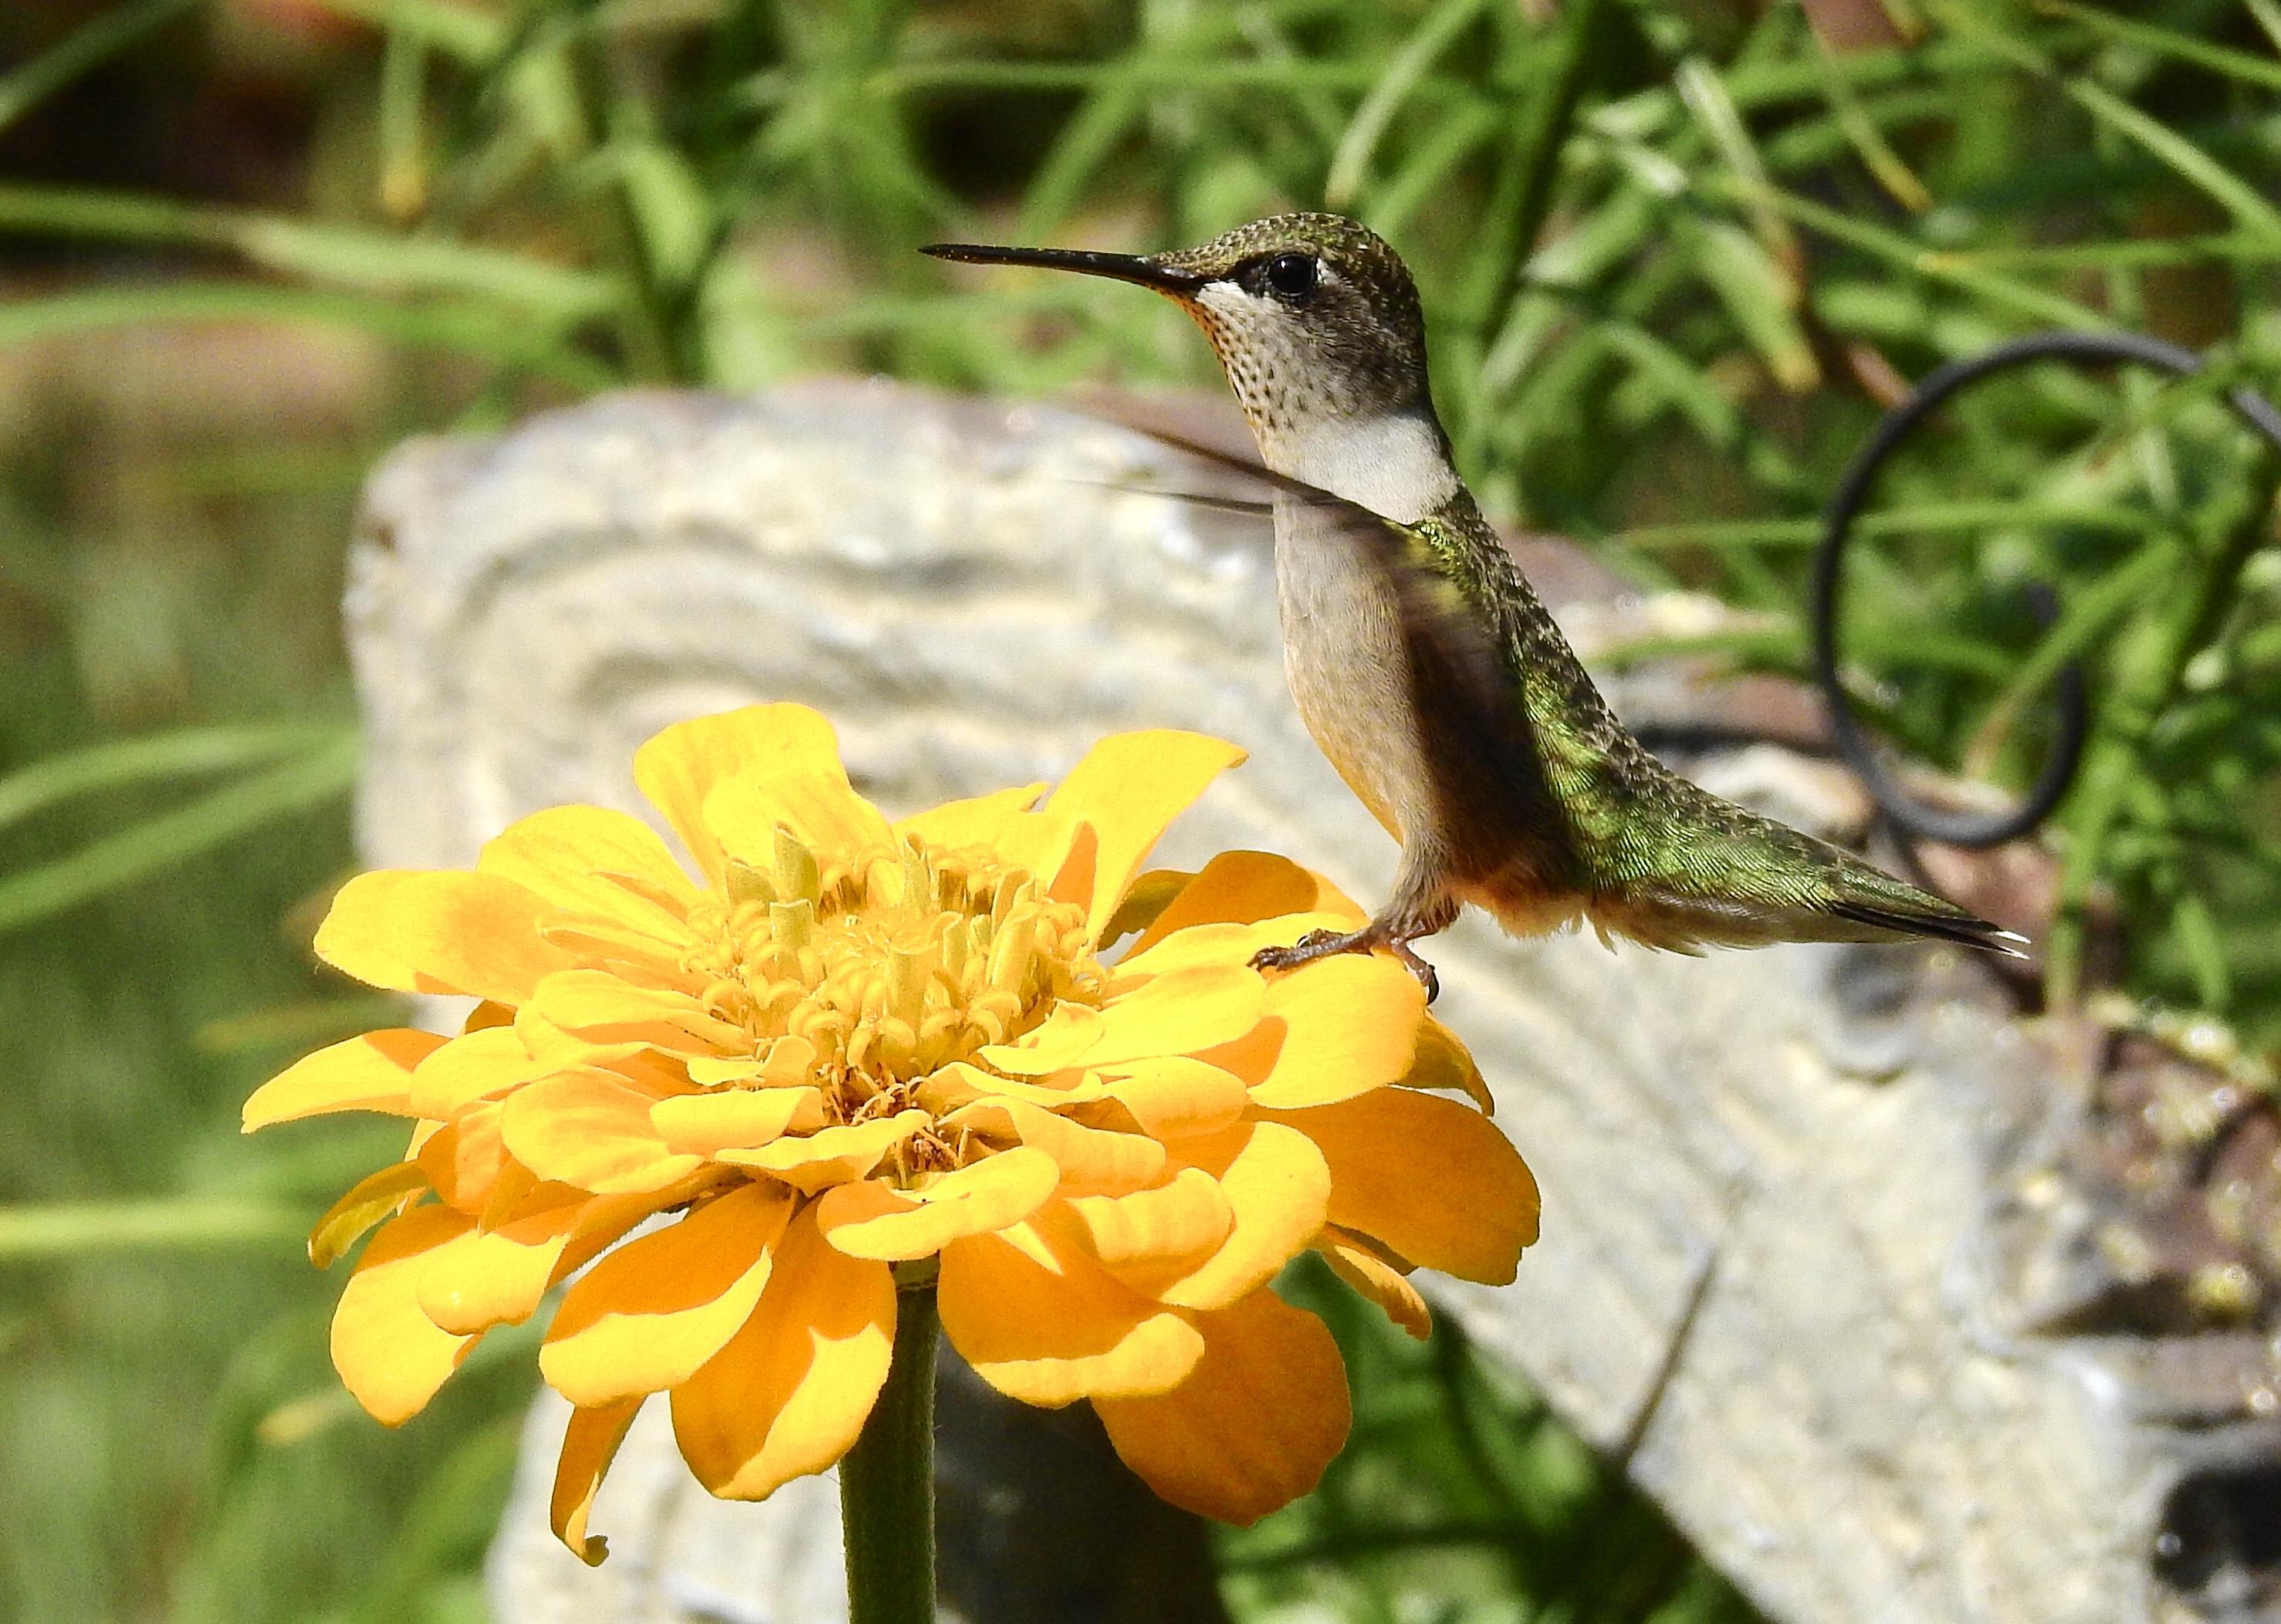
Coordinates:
column 855, row 1046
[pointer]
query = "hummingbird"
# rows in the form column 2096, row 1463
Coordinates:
column 1427, row 668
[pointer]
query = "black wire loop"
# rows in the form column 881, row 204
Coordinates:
column 1862, row 753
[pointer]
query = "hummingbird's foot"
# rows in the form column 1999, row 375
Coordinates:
column 1323, row 944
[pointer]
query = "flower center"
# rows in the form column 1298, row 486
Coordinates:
column 868, row 979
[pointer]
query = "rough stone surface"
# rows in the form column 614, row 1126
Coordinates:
column 1796, row 1202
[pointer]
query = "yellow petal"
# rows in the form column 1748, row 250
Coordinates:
column 791, row 1391
column 832, row 1156
column 1246, row 887
column 1130, row 787
column 1172, row 1096
column 1350, row 1025
column 1278, row 1190
column 1058, row 1043
column 499, row 1275
column 1183, row 1012
column 590, row 1129
column 597, row 1006
column 648, row 1315
column 390, row 1356
column 372, row 1073
column 1431, row 1179
column 872, row 1220
column 677, row 768
column 1352, row 1258
column 1253, row 1428
column 485, row 1062
column 821, row 811
column 1093, row 1161
column 376, row 1196
column 443, row 931
column 1151, row 1238
column 589, row 1445
column 568, row 855
column 735, row 1118
column 959, row 1083
column 977, row 821
column 1039, row 1320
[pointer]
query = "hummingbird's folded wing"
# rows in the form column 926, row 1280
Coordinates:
column 1455, row 657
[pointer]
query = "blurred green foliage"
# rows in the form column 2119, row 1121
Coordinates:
column 1675, row 253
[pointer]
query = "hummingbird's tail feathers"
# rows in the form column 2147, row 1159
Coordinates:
column 1965, row 929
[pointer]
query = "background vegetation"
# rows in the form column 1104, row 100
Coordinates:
column 1677, row 254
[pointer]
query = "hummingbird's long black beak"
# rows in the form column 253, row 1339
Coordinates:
column 1121, row 267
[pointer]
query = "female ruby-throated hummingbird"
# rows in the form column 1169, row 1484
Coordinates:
column 1427, row 669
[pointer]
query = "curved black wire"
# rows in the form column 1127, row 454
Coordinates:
column 1860, row 752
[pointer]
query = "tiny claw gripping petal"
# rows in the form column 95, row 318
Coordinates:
column 1323, row 944
column 1418, row 968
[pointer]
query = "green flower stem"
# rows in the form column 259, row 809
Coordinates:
column 887, row 1482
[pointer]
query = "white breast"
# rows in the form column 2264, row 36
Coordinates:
column 1342, row 652
column 1393, row 464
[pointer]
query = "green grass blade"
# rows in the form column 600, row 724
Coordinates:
column 117, row 859
column 153, row 758
column 106, row 36
column 2218, row 59
column 62, row 1230
column 484, row 332
column 354, row 256
column 1351, row 159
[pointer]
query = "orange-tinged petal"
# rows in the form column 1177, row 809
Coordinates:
column 1431, row 1179
column 872, row 1220
column 735, row 1118
column 442, row 931
column 597, row 1007
column 1151, row 1238
column 463, row 1158
column 1039, row 1320
column 1360, row 1267
column 368, row 1073
column 832, row 1156
column 1278, row 1190
column 677, row 770
column 1351, row 1026
column 491, row 1061
column 1058, row 1043
column 1246, row 887
column 589, row 1445
column 374, row 1197
column 567, row 854
column 1181, row 1013
column 1093, row 1161
column 390, row 1356
column 648, row 1315
column 791, row 1391
column 1130, row 787
column 590, row 1129
column 976, row 820
column 1252, row 1429
column 1444, row 1063
column 1175, row 1095
column 820, row 808
column 499, row 1275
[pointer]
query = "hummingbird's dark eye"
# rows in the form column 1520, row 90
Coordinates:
column 1293, row 276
